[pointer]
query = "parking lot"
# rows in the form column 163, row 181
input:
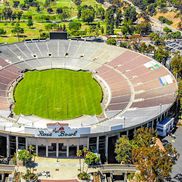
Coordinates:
column 174, row 45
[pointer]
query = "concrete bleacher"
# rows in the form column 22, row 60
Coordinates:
column 133, row 87
column 119, row 89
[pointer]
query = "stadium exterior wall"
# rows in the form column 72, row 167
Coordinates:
column 19, row 56
column 67, row 147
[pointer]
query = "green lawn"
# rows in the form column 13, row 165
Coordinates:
column 42, row 18
column 58, row 94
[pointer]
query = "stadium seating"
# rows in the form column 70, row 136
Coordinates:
column 135, row 81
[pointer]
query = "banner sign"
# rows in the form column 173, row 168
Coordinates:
column 58, row 130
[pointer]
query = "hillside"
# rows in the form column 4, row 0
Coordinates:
column 170, row 15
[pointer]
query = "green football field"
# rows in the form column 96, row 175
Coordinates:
column 58, row 94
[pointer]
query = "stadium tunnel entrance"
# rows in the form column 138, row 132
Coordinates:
column 3, row 148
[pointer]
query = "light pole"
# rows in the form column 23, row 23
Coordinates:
column 160, row 111
column 124, row 119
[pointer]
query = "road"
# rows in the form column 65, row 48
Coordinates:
column 177, row 143
column 155, row 23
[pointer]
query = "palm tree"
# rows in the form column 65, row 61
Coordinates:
column 31, row 148
column 85, row 150
column 79, row 154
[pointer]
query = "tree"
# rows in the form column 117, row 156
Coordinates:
column 85, row 150
column 145, row 137
column 33, row 3
column 161, row 3
column 31, row 149
column 17, row 30
column 59, row 10
column 47, row 3
column 179, row 25
column 49, row 10
column 143, row 47
column 165, row 20
column 150, row 49
column 74, row 26
column 124, row 30
column 176, row 65
column 142, row 4
column 161, row 54
column 29, row 176
column 118, row 19
column 44, row 35
column 13, row 17
column 38, row 9
column 124, row 44
column 100, row 12
column 144, row 28
column 16, row 4
column 154, row 163
column 83, row 175
column 7, row 13
column 24, row 155
column 88, row 14
column 176, row 35
column 19, row 15
column 111, row 41
column 100, row 1
column 79, row 12
column 127, row 28
column 130, row 14
column 158, row 40
column 30, row 22
column 110, row 20
column 102, row 30
column 77, row 2
column 123, row 150
column 91, row 158
column 79, row 155
column 151, row 9
column 2, row 31
column 64, row 27
column 66, row 13
column 167, row 30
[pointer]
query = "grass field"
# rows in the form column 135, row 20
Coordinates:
column 58, row 94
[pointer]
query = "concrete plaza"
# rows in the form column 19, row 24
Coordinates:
column 60, row 169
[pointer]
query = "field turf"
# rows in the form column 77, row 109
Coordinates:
column 58, row 94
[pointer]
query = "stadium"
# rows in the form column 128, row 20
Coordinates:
column 121, row 91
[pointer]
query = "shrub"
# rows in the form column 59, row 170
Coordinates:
column 92, row 158
column 111, row 41
column 2, row 31
column 165, row 20
column 167, row 30
column 29, row 176
column 83, row 176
